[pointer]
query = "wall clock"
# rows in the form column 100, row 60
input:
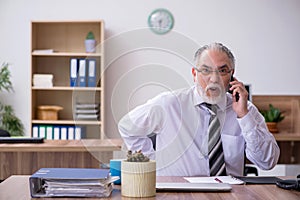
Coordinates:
column 161, row 21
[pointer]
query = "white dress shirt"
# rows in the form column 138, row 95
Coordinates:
column 180, row 121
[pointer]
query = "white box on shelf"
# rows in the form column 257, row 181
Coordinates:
column 43, row 80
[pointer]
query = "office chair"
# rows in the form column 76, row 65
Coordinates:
column 247, row 169
column 4, row 133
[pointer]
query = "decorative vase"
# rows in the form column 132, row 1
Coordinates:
column 138, row 179
column 272, row 126
column 90, row 46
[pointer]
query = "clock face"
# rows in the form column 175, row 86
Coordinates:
column 160, row 21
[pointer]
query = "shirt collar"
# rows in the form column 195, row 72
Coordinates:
column 197, row 99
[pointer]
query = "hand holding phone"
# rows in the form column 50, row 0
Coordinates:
column 237, row 96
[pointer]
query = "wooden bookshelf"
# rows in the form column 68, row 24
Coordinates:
column 66, row 39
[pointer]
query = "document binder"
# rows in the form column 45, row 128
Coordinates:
column 49, row 132
column 82, row 73
column 63, row 132
column 56, row 132
column 71, row 182
column 73, row 72
column 42, row 131
column 91, row 78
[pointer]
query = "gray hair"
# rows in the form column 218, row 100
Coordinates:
column 215, row 46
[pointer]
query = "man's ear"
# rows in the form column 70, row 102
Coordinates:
column 194, row 73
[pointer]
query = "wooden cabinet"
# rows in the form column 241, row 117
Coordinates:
column 288, row 137
column 66, row 39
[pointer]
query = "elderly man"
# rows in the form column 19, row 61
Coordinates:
column 203, row 130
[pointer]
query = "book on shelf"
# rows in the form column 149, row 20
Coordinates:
column 43, row 51
column 71, row 182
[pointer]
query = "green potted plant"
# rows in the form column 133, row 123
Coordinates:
column 8, row 120
column 90, row 43
column 272, row 116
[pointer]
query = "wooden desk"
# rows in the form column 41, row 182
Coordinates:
column 25, row 159
column 17, row 187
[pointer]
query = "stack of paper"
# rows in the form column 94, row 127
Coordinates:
column 43, row 80
column 215, row 179
column 87, row 111
column 71, row 182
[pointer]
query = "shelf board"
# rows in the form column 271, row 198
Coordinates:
column 67, row 54
column 285, row 137
column 65, row 88
column 72, row 122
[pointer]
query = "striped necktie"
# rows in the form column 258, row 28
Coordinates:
column 215, row 149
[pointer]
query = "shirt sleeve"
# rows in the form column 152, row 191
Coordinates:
column 138, row 124
column 261, row 146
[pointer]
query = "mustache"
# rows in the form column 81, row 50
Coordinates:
column 213, row 86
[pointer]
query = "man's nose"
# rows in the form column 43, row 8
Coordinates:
column 215, row 77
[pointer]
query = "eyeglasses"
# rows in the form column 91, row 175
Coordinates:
column 208, row 71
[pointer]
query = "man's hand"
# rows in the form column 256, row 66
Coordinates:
column 240, row 106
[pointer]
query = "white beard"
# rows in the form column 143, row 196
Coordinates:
column 211, row 99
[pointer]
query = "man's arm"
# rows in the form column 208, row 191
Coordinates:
column 261, row 146
column 138, row 124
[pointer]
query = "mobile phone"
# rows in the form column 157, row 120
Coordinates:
column 237, row 95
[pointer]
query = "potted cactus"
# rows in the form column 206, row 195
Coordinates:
column 272, row 116
column 9, row 122
column 90, row 43
column 138, row 175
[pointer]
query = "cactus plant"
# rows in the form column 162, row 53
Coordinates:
column 138, row 156
column 90, row 36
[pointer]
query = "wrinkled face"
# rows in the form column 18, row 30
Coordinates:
column 212, row 75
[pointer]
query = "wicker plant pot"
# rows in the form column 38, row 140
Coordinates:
column 138, row 179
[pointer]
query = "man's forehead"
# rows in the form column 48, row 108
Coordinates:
column 213, row 58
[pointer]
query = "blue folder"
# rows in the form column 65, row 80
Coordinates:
column 71, row 173
column 66, row 178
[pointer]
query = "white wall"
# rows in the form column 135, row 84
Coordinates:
column 263, row 34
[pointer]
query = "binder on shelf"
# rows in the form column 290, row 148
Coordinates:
column 73, row 72
column 35, row 131
column 91, row 72
column 82, row 73
column 79, row 132
column 49, row 132
column 71, row 182
column 71, row 133
column 63, row 133
column 56, row 132
column 42, row 131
